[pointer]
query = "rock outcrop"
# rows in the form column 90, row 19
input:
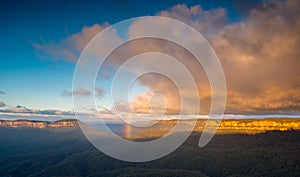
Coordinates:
column 249, row 126
column 228, row 126
column 38, row 124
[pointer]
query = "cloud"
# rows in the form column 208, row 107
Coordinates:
column 100, row 92
column 2, row 104
column 1, row 92
column 206, row 21
column 260, row 57
column 22, row 109
column 83, row 92
column 245, row 7
column 79, row 92
column 69, row 48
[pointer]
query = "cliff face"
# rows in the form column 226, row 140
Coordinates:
column 271, row 124
column 37, row 124
column 245, row 126
column 255, row 126
column 249, row 126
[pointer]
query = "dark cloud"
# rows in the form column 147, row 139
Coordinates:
column 2, row 104
column 1, row 92
column 66, row 93
column 245, row 7
column 100, row 92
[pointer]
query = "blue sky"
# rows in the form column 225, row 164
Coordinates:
column 29, row 81
column 36, row 83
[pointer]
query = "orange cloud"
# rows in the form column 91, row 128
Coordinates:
column 260, row 57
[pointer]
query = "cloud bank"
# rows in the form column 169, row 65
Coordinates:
column 259, row 54
column 22, row 109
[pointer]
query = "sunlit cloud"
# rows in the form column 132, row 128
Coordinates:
column 259, row 54
column 261, row 59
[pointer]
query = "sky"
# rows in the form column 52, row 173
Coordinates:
column 257, row 43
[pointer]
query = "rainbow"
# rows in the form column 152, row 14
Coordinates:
column 127, row 130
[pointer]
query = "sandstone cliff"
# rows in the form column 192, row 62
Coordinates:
column 249, row 126
column 38, row 124
column 246, row 126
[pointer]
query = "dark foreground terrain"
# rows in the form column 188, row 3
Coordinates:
column 65, row 152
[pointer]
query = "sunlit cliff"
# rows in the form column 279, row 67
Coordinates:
column 37, row 124
column 247, row 126
column 254, row 126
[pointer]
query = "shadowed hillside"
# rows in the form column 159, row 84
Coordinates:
column 66, row 152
